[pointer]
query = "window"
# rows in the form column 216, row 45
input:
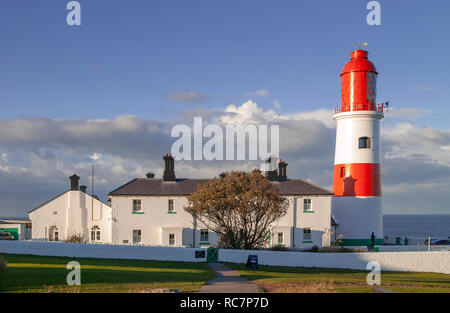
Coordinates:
column 137, row 236
column 204, row 235
column 307, row 205
column 371, row 88
column 342, row 174
column 137, row 205
column 171, row 239
column 306, row 233
column 53, row 233
column 95, row 234
column 280, row 238
column 171, row 207
column 364, row 143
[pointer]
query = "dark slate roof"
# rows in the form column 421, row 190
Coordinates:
column 184, row 186
column 14, row 220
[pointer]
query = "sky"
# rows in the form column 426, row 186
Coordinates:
column 109, row 91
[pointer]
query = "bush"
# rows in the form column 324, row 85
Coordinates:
column 312, row 249
column 76, row 239
column 279, row 248
column 341, row 249
column 3, row 264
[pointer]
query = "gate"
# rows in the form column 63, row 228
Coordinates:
column 212, row 255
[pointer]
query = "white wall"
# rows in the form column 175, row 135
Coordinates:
column 101, row 251
column 436, row 261
column 153, row 219
column 73, row 214
column 156, row 223
column 295, row 220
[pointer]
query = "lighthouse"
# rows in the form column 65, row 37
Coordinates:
column 356, row 205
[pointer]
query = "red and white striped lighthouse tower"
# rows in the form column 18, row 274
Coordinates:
column 357, row 172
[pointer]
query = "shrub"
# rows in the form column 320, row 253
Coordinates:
column 76, row 239
column 341, row 249
column 3, row 264
column 279, row 248
column 312, row 249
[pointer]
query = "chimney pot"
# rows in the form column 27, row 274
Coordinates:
column 74, row 179
column 169, row 168
column 83, row 188
column 150, row 175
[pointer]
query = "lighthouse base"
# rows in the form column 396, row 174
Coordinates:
column 357, row 218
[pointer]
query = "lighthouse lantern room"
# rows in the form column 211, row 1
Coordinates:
column 357, row 204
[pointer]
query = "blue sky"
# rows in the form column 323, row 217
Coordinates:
column 125, row 58
column 156, row 60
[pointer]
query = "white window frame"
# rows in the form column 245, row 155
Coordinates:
column 170, row 206
column 204, row 233
column 137, row 205
column 138, row 236
column 172, row 240
column 307, row 205
column 95, row 230
column 280, row 242
column 307, row 235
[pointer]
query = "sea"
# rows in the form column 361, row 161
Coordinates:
column 417, row 226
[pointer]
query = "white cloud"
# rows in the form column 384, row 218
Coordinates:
column 95, row 156
column 38, row 155
column 405, row 112
column 276, row 104
column 423, row 88
column 260, row 93
column 188, row 96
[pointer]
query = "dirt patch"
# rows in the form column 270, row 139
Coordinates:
column 323, row 286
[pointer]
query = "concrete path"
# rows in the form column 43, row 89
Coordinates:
column 227, row 281
column 383, row 290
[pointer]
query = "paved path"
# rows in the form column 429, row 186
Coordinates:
column 382, row 290
column 227, row 281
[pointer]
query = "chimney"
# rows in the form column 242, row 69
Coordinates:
column 150, row 175
column 270, row 174
column 83, row 188
column 282, row 175
column 74, row 179
column 169, row 168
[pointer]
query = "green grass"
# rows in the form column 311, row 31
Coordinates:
column 27, row 273
column 299, row 279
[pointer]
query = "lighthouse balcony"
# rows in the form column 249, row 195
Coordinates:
column 358, row 107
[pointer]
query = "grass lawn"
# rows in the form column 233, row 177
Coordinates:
column 289, row 279
column 27, row 273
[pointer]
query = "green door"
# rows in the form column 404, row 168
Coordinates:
column 212, row 255
column 13, row 231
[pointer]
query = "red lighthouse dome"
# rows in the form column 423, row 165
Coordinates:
column 358, row 83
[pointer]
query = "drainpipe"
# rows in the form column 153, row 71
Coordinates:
column 294, row 222
column 193, row 232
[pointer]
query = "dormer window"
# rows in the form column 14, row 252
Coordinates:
column 364, row 143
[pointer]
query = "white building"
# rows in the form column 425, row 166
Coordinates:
column 150, row 211
column 72, row 213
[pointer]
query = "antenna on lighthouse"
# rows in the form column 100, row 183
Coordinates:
column 364, row 44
